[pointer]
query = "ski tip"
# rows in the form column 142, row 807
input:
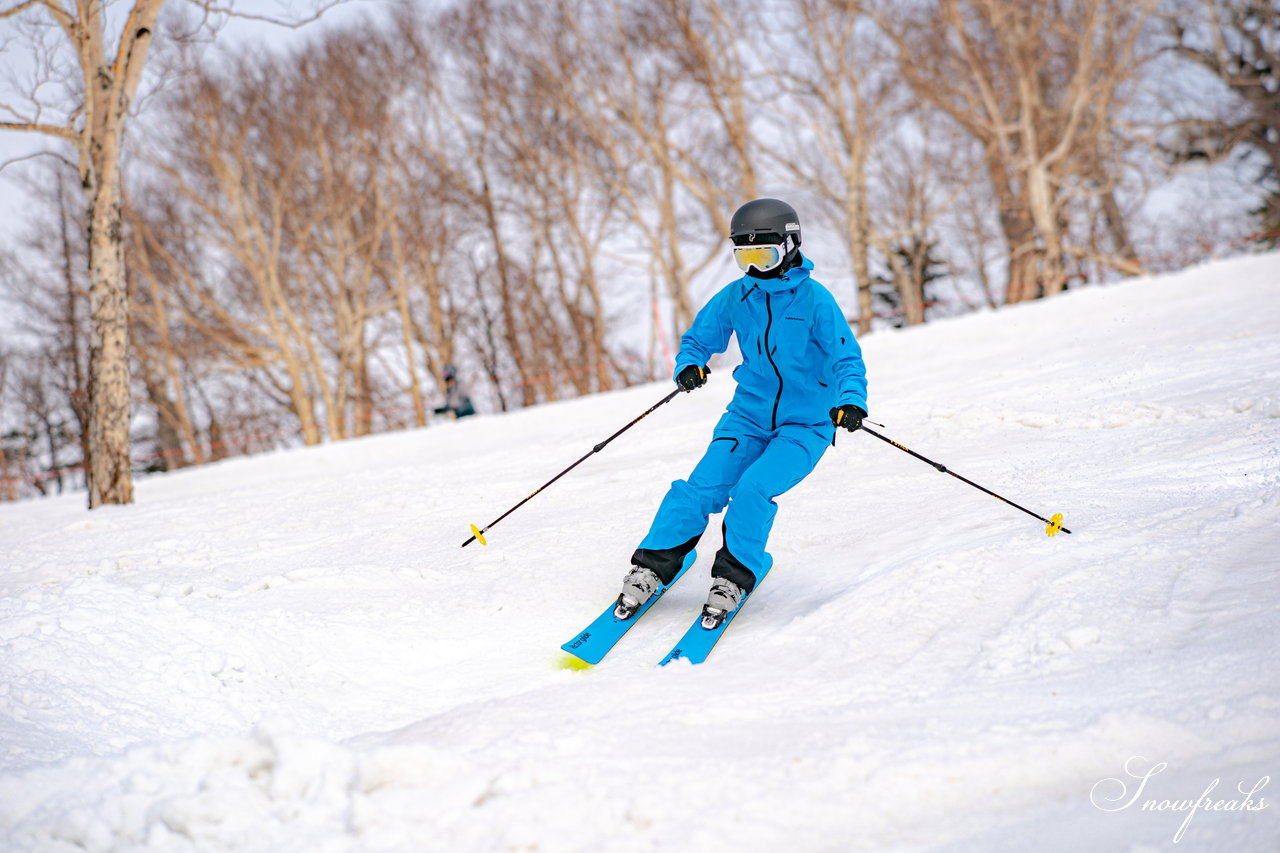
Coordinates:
column 573, row 663
column 678, row 657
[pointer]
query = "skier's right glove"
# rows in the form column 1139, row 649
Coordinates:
column 692, row 377
column 847, row 416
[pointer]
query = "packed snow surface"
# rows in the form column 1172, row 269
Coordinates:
column 291, row 652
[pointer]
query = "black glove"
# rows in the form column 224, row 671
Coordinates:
column 847, row 416
column 692, row 377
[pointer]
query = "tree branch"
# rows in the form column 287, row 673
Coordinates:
column 33, row 155
column 37, row 127
column 20, row 8
column 209, row 8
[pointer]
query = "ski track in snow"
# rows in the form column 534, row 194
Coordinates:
column 291, row 653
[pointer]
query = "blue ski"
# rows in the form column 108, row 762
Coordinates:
column 698, row 641
column 603, row 634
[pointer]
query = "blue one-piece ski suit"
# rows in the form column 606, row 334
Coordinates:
column 799, row 360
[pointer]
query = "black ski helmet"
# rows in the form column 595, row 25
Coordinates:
column 768, row 220
column 764, row 217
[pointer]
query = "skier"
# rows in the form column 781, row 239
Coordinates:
column 801, row 376
column 456, row 403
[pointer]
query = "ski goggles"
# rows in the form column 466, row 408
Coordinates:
column 763, row 258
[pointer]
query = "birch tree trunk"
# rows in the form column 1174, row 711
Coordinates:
column 109, row 87
column 96, row 130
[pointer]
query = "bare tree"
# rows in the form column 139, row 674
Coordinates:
column 522, row 164
column 108, row 71
column 663, row 94
column 163, row 347
column 551, row 158
column 424, row 260
column 47, row 284
column 464, row 140
column 1038, row 84
column 1238, row 41
column 279, row 170
column 850, row 133
column 915, row 187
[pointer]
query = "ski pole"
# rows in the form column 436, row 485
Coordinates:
column 1055, row 522
column 477, row 533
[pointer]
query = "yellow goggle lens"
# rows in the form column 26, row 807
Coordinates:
column 763, row 258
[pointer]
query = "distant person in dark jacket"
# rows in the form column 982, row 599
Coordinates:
column 456, row 403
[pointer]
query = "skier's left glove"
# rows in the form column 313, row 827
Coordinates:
column 847, row 416
column 692, row 377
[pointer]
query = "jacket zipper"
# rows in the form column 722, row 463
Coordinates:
column 768, row 307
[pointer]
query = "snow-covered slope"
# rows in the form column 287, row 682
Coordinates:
column 292, row 652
